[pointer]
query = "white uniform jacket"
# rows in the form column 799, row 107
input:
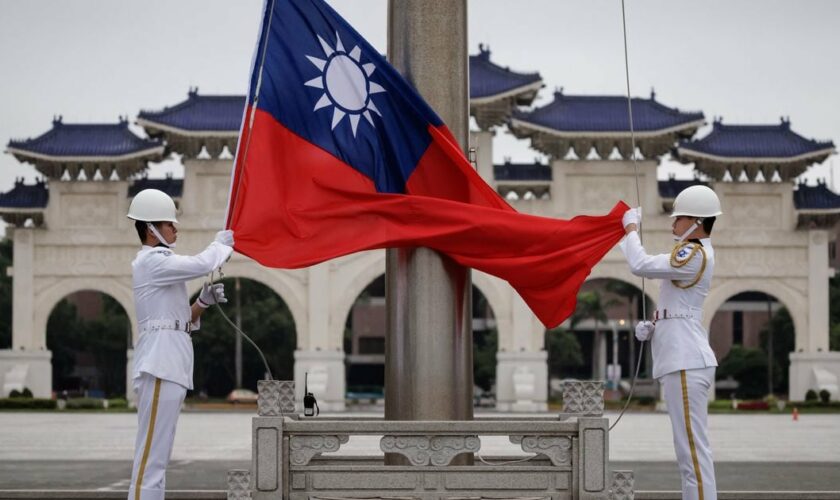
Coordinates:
column 164, row 348
column 679, row 341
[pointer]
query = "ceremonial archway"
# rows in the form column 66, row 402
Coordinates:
column 282, row 283
column 265, row 316
column 364, row 341
column 602, row 329
column 88, row 333
column 46, row 300
column 752, row 333
column 784, row 292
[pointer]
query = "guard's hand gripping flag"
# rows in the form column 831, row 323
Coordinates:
column 338, row 154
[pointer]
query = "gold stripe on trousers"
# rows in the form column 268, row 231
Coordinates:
column 687, row 415
column 149, row 433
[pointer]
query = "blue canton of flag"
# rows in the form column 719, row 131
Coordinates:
column 332, row 88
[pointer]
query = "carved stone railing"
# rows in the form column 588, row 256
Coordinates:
column 622, row 485
column 569, row 461
column 275, row 397
column 583, row 397
column 238, row 482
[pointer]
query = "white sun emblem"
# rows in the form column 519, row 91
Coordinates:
column 346, row 84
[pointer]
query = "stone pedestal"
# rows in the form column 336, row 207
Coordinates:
column 326, row 378
column 266, row 478
column 26, row 369
column 522, row 381
column 815, row 370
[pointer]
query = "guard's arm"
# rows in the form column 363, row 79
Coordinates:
column 169, row 268
column 656, row 266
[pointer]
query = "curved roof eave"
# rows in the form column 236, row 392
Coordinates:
column 518, row 122
column 143, row 153
column 162, row 127
column 689, row 153
column 514, row 92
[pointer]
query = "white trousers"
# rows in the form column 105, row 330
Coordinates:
column 687, row 399
column 158, row 406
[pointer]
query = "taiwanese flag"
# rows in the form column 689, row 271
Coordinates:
column 339, row 154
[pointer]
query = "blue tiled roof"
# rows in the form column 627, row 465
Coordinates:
column 85, row 140
column 216, row 113
column 25, row 196
column 754, row 141
column 172, row 187
column 672, row 187
column 488, row 79
column 817, row 197
column 522, row 172
column 584, row 113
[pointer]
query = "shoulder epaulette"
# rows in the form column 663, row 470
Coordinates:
column 682, row 254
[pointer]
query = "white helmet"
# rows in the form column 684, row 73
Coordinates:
column 697, row 201
column 152, row 205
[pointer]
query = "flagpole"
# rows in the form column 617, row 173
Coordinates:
column 428, row 362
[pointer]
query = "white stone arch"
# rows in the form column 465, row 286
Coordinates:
column 498, row 294
column 356, row 276
column 278, row 282
column 46, row 301
column 349, row 282
column 793, row 300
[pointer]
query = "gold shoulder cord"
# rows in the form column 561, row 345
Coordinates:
column 678, row 263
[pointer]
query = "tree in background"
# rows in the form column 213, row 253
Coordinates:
column 784, row 342
column 266, row 319
column 485, row 342
column 103, row 341
column 5, row 294
column 564, row 352
column 749, row 367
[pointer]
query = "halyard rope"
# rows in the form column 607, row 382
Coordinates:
column 638, row 204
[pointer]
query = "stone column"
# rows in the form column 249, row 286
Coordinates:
column 482, row 141
column 522, row 369
column 130, row 396
column 23, row 297
column 326, row 377
column 599, row 355
column 813, row 366
column 428, row 364
column 819, row 273
column 323, row 360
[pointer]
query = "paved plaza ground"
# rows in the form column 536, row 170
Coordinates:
column 53, row 450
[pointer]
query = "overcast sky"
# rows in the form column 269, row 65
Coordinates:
column 749, row 61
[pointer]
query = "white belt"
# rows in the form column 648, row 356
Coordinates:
column 661, row 314
column 166, row 324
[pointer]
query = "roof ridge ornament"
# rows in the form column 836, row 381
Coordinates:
column 193, row 92
column 58, row 120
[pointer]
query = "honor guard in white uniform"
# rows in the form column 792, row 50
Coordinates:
column 683, row 361
column 163, row 355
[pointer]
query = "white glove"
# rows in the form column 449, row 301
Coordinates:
column 211, row 294
column 225, row 237
column 632, row 216
column 644, row 329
